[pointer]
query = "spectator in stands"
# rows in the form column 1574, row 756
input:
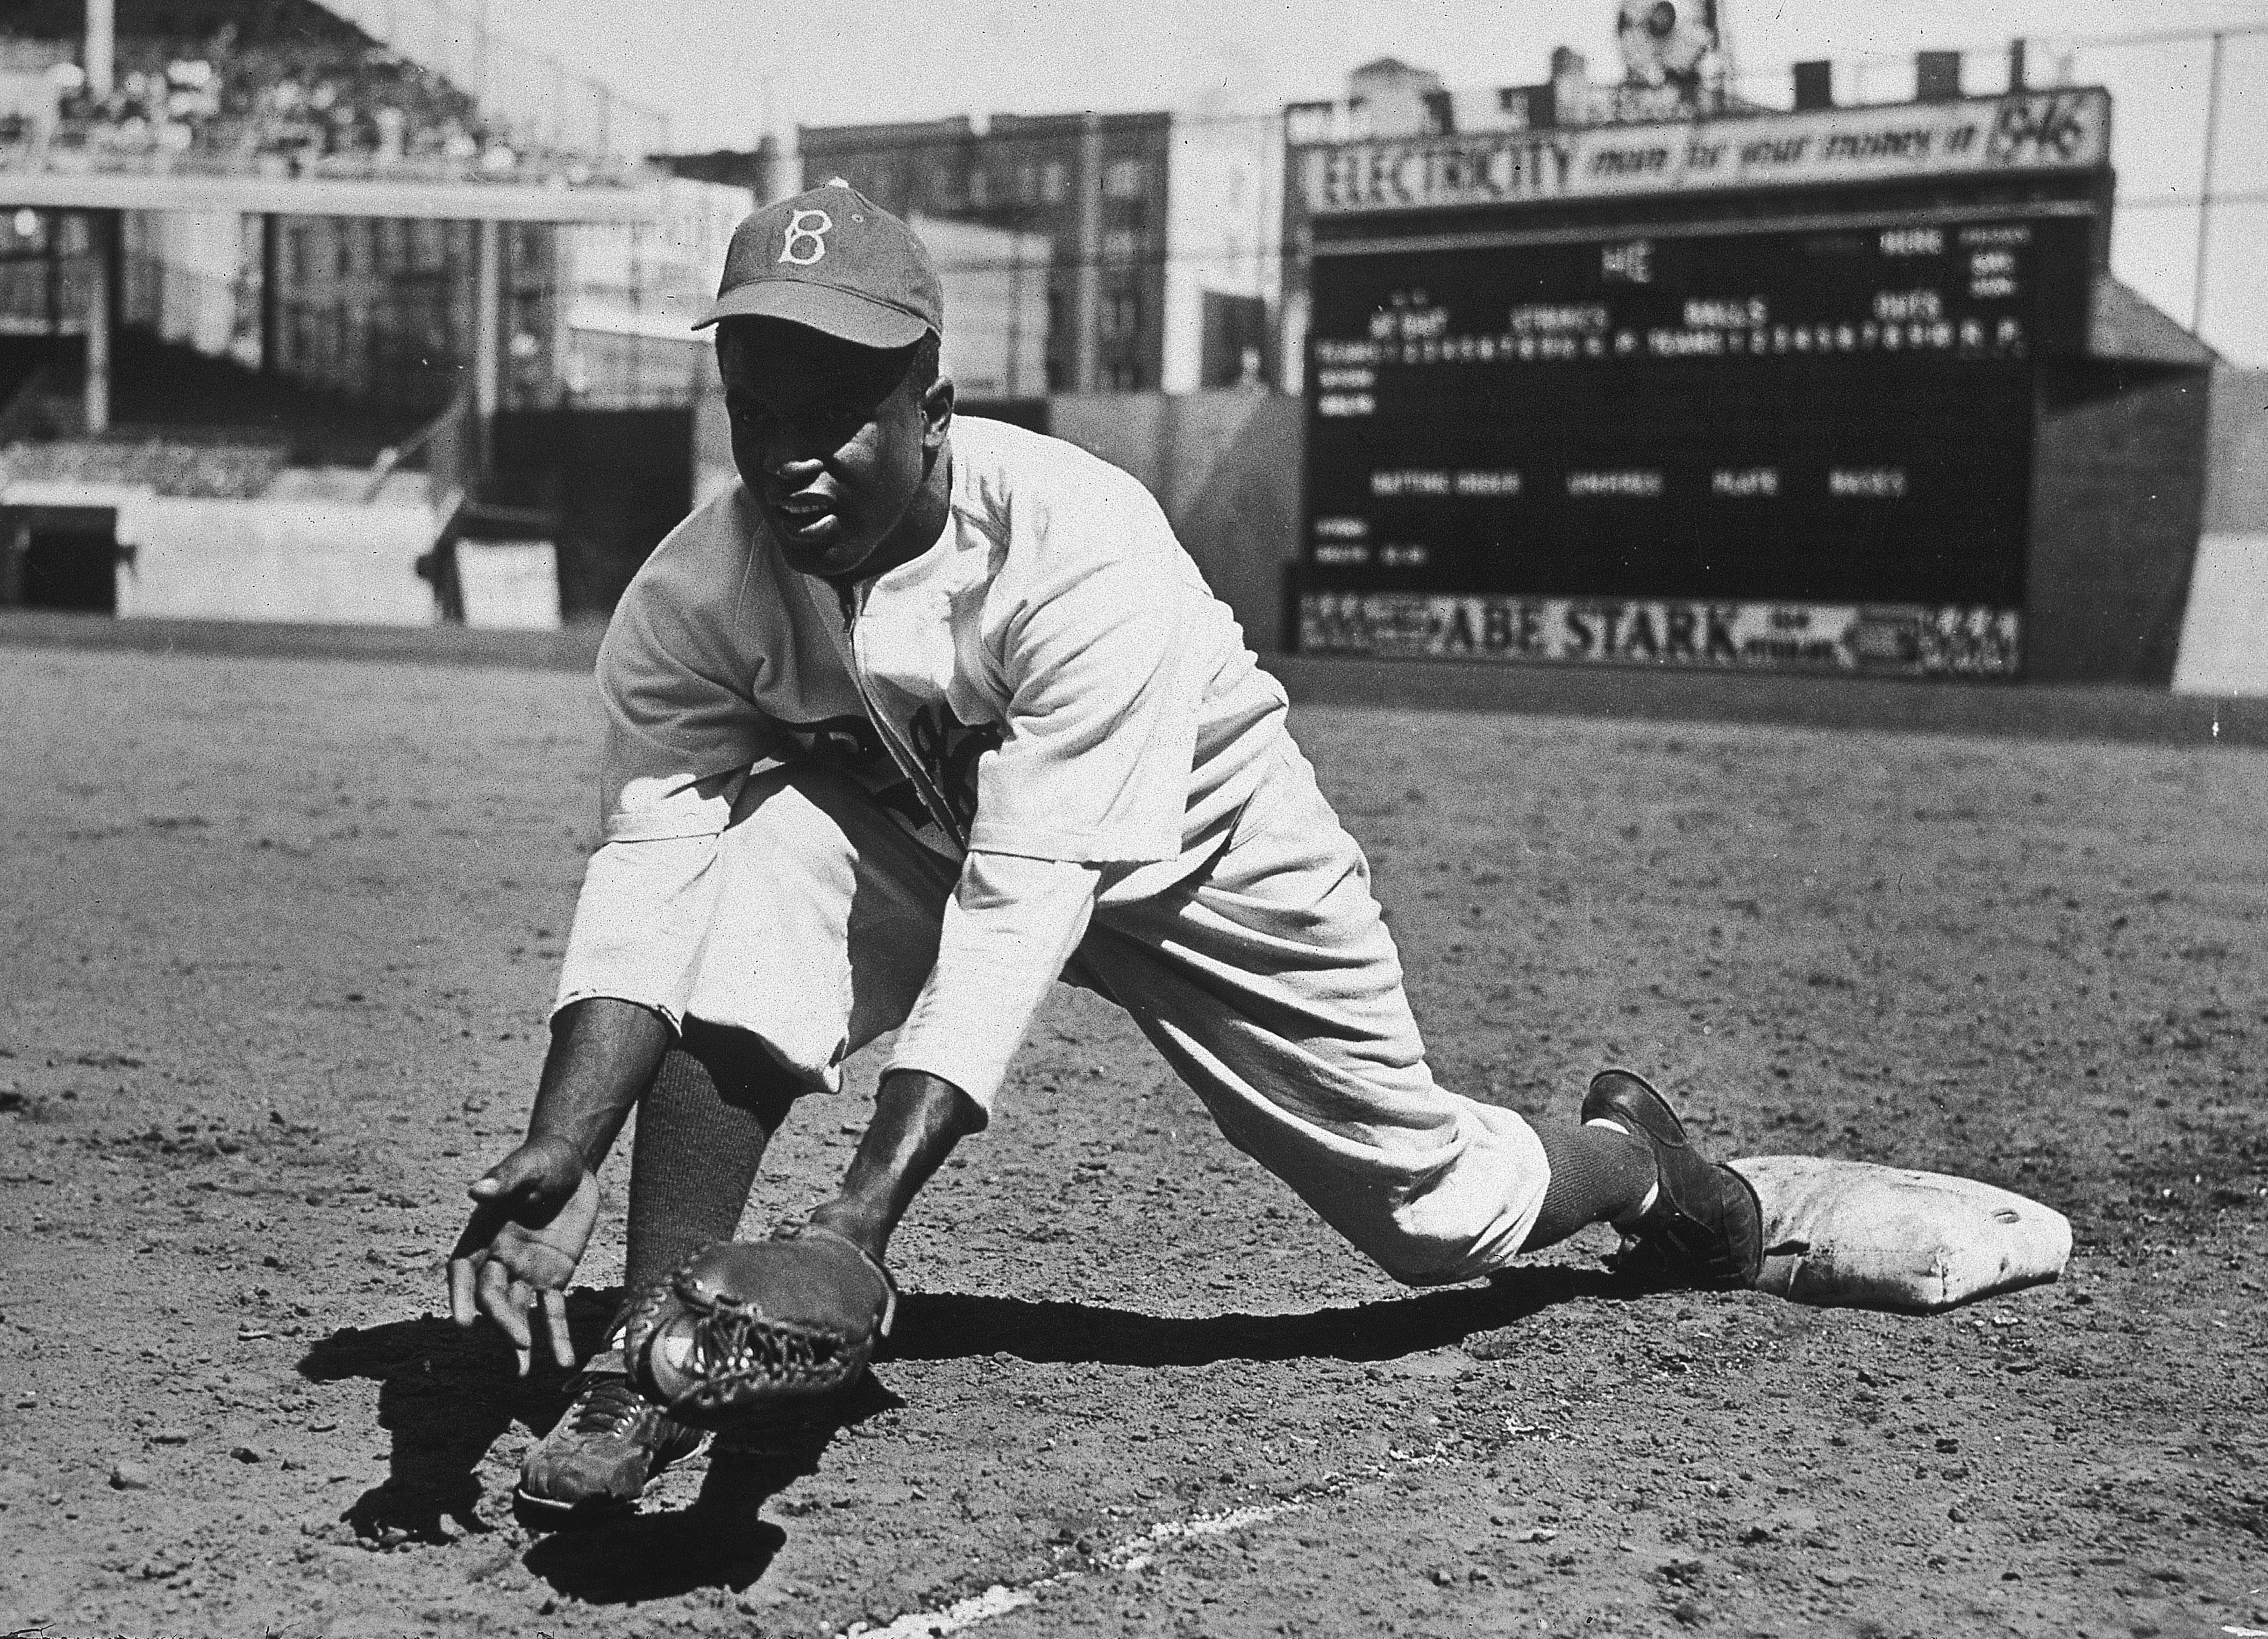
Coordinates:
column 352, row 107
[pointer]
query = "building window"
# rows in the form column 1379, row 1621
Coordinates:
column 1121, row 314
column 980, row 189
column 1054, row 182
column 1122, row 244
column 1126, row 178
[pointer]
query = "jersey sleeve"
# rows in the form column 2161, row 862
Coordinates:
column 682, row 732
column 1011, row 925
column 1102, row 705
column 679, row 713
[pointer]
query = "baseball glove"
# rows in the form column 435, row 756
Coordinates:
column 749, row 1332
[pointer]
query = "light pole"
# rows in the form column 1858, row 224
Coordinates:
column 2205, row 184
column 101, row 225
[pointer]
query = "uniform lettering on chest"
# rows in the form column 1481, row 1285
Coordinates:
column 948, row 751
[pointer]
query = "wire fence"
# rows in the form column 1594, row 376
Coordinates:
column 2189, row 142
column 534, row 95
column 408, row 345
column 405, row 349
column 616, row 367
column 2190, row 146
column 2189, row 137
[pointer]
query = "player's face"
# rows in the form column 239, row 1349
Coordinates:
column 834, row 444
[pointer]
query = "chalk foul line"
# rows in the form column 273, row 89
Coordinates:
column 1131, row 1555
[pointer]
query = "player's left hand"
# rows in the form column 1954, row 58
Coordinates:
column 535, row 1213
column 749, row 1332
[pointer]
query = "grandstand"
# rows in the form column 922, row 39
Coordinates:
column 253, row 249
column 270, row 86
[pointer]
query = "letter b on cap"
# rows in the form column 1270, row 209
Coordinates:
column 807, row 238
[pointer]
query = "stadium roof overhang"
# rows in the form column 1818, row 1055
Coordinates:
column 327, row 196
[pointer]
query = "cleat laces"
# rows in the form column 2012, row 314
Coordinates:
column 611, row 1407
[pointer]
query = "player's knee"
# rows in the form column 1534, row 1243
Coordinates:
column 1416, row 1260
column 1431, row 1271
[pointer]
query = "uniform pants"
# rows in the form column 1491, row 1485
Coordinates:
column 1267, row 979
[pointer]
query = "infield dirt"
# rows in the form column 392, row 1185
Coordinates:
column 280, row 935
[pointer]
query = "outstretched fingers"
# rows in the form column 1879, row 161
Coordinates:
column 467, row 1258
column 462, row 1307
column 482, row 1283
column 506, row 1301
column 554, row 1315
column 471, row 1255
column 519, row 1249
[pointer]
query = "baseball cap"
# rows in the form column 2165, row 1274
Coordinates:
column 831, row 259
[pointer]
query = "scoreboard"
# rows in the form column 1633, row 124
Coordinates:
column 1750, row 444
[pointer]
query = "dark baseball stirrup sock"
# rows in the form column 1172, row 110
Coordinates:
column 703, row 1127
column 1600, row 1174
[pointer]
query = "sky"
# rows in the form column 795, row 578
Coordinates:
column 724, row 70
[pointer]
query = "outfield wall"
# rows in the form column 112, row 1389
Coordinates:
column 305, row 560
column 2236, row 482
column 1225, row 466
column 311, row 550
column 2224, row 647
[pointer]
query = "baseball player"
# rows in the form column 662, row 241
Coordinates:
column 920, row 716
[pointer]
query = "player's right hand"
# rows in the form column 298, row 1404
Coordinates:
column 532, row 1219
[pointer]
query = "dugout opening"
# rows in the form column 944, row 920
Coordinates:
column 61, row 557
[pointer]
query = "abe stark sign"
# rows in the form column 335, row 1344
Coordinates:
column 1904, row 639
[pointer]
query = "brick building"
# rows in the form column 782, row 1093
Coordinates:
column 1095, row 185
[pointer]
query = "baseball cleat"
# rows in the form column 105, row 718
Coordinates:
column 1705, row 1227
column 612, row 1443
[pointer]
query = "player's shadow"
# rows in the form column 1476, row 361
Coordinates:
column 444, row 1396
column 951, row 1325
column 719, row 1541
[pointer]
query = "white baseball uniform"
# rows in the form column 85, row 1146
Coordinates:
column 829, row 815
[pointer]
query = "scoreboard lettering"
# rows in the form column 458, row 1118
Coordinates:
column 1750, row 446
